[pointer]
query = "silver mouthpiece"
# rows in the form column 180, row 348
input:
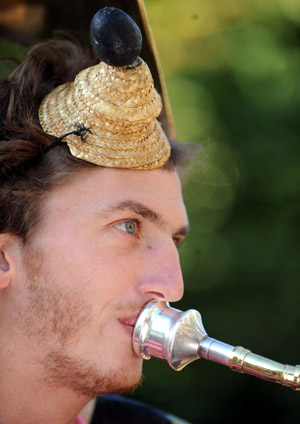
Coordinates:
column 179, row 338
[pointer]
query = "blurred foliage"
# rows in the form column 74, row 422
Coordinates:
column 233, row 74
column 11, row 55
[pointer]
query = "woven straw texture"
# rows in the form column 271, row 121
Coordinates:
column 120, row 107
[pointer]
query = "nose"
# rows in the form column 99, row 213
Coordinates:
column 162, row 276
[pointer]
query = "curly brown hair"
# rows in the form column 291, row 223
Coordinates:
column 26, row 174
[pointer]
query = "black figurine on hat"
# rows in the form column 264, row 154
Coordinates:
column 115, row 37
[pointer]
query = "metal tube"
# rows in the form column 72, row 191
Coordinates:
column 244, row 361
column 216, row 351
column 179, row 338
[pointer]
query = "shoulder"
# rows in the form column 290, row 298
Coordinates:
column 112, row 409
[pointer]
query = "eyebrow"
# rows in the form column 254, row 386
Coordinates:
column 145, row 212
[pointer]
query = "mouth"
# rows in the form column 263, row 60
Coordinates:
column 128, row 323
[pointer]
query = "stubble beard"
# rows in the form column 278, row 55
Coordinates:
column 50, row 315
column 84, row 378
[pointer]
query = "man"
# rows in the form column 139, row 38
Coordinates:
column 91, row 218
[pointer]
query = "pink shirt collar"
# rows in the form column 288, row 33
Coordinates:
column 80, row 420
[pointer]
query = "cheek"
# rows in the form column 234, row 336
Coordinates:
column 112, row 273
column 103, row 266
column 101, row 273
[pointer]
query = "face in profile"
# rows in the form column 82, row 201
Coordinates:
column 105, row 245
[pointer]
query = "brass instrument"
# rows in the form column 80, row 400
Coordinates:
column 179, row 338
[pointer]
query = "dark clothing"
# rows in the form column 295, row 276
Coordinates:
column 111, row 409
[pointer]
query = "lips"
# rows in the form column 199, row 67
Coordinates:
column 128, row 323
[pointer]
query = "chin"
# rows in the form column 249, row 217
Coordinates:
column 126, row 379
column 122, row 375
column 90, row 380
column 124, row 384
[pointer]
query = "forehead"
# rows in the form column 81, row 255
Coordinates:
column 99, row 189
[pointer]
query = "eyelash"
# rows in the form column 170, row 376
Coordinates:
column 135, row 221
column 178, row 241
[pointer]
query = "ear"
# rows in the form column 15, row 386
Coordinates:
column 7, row 259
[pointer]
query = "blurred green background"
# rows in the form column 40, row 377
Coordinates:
column 232, row 69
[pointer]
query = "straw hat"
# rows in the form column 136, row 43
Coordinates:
column 115, row 102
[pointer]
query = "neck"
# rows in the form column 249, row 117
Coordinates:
column 28, row 398
column 29, row 404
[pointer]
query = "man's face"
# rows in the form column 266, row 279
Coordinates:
column 105, row 245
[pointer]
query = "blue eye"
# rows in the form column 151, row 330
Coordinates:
column 129, row 227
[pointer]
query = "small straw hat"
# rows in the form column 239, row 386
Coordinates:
column 115, row 102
